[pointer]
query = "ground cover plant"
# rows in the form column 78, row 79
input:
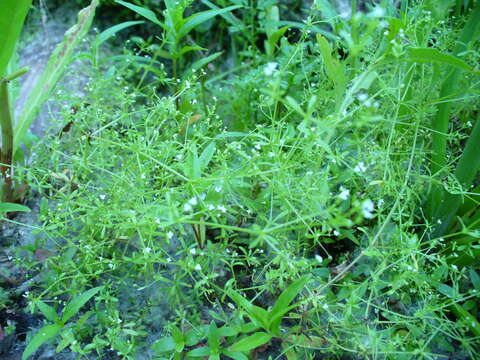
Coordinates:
column 257, row 180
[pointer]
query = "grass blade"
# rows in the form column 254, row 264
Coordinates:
column 56, row 66
column 73, row 307
column 111, row 31
column 146, row 13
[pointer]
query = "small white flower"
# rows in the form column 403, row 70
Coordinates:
column 258, row 146
column 336, row 233
column 193, row 251
column 169, row 260
column 221, row 208
column 187, row 207
column 102, row 196
column 325, row 306
column 193, row 201
column 380, row 203
column 367, row 208
column 143, row 176
column 270, row 68
column 211, row 207
column 318, row 258
column 147, row 250
column 198, row 267
column 169, row 235
column 378, row 12
column 218, row 188
column 455, row 267
column 360, row 167
column 344, row 193
column 362, row 97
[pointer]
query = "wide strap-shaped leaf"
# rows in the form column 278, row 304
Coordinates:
column 56, row 66
column 112, row 31
column 12, row 16
column 429, row 55
column 42, row 336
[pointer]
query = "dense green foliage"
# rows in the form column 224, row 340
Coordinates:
column 257, row 183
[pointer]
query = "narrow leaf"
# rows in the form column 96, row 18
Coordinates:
column 12, row 207
column 74, row 306
column 42, row 336
column 251, row 342
column 112, row 31
column 146, row 13
column 204, row 61
column 428, row 55
column 207, row 155
column 200, row 17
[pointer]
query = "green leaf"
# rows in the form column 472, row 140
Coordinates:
column 204, row 61
column 42, row 336
column 196, row 19
column 213, row 337
column 475, row 279
column 199, row 352
column 235, row 355
column 73, row 307
column 186, row 49
column 162, row 345
column 446, row 290
column 111, row 31
column 48, row 311
column 178, row 338
column 12, row 207
column 12, row 17
column 251, row 342
column 256, row 314
column 56, row 66
column 146, row 13
column 207, row 155
column 281, row 306
column 428, row 55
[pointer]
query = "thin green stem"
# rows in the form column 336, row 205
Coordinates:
column 7, row 142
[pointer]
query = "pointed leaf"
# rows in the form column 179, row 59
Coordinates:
column 200, row 17
column 146, row 13
column 48, row 311
column 288, row 295
column 12, row 207
column 251, row 342
column 207, row 155
column 42, row 336
column 428, row 55
column 73, row 307
column 112, row 31
column 204, row 61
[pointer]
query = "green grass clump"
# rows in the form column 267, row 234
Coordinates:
column 271, row 202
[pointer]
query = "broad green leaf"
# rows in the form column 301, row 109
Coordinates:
column 73, row 307
column 251, row 342
column 334, row 69
column 42, row 336
column 446, row 290
column 112, row 31
column 56, row 66
column 235, row 355
column 200, row 17
column 428, row 55
column 204, row 61
column 288, row 295
column 12, row 207
column 48, row 311
column 199, row 352
column 162, row 345
column 213, row 337
column 146, row 13
column 475, row 279
column 178, row 338
column 256, row 314
column 207, row 155
column 12, row 16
